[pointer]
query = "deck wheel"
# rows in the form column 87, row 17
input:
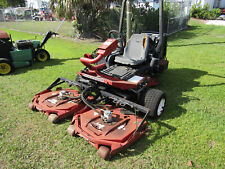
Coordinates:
column 53, row 118
column 104, row 152
column 71, row 130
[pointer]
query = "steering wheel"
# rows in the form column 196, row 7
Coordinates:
column 114, row 34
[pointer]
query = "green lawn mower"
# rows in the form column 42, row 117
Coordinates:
column 22, row 53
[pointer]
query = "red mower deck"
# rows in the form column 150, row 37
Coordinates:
column 58, row 104
column 108, row 138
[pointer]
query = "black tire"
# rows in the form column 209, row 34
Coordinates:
column 6, row 66
column 155, row 100
column 42, row 55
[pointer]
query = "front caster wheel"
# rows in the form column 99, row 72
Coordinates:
column 53, row 118
column 104, row 152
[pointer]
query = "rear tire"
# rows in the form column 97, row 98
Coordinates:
column 6, row 66
column 104, row 152
column 42, row 55
column 155, row 100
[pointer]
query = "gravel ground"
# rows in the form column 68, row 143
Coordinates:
column 215, row 22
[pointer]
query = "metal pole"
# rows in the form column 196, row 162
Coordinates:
column 128, row 20
column 122, row 16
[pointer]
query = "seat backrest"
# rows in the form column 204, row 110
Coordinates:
column 137, row 49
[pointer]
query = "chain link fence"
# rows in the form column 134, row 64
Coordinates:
column 179, row 15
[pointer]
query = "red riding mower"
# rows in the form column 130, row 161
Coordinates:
column 120, row 81
column 128, row 71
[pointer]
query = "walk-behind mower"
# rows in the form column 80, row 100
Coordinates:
column 116, row 83
column 22, row 53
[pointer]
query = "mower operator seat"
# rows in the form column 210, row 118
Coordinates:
column 136, row 50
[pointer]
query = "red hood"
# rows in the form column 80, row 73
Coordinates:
column 3, row 35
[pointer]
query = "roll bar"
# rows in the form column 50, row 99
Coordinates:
column 159, row 48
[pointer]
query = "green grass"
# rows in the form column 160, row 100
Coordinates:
column 66, row 28
column 192, row 127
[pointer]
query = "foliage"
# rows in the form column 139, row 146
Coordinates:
column 146, row 18
column 199, row 12
column 3, row 4
column 88, row 13
column 12, row 3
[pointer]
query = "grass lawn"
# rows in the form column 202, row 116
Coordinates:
column 65, row 29
column 191, row 130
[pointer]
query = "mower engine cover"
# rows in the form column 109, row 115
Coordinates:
column 103, row 50
column 24, row 44
column 58, row 104
column 36, row 43
column 109, row 136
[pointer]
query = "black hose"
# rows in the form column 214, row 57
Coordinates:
column 87, row 102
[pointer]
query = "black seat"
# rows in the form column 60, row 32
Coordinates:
column 136, row 51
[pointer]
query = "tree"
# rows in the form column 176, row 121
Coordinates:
column 88, row 14
column 12, row 3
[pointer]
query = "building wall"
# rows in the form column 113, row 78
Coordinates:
column 221, row 4
column 35, row 4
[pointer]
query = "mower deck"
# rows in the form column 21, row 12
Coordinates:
column 114, row 136
column 58, row 104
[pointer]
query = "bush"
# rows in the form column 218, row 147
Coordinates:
column 215, row 13
column 203, row 12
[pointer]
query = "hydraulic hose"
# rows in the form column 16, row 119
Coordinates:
column 87, row 102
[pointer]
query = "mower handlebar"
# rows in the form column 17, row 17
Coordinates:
column 47, row 37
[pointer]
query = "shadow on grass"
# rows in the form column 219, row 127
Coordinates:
column 145, row 142
column 192, row 31
column 195, row 44
column 41, row 65
column 173, row 82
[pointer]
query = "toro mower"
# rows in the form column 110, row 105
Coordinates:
column 124, row 79
column 116, row 83
column 22, row 53
column 128, row 70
